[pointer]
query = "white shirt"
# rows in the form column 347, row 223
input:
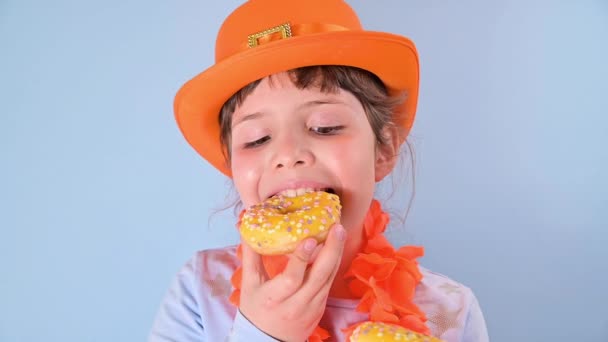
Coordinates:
column 196, row 306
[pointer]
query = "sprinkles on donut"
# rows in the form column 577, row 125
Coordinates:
column 383, row 332
column 279, row 224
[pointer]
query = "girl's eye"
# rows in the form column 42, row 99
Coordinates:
column 258, row 142
column 329, row 130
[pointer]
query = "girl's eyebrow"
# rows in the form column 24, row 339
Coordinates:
column 247, row 117
column 320, row 102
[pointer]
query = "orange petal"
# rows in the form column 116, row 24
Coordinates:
column 376, row 220
column 378, row 314
column 318, row 335
column 415, row 324
column 384, row 271
column 274, row 264
column 365, row 266
column 357, row 287
column 236, row 278
column 380, row 245
column 411, row 252
column 367, row 300
column 382, row 298
column 409, row 309
column 235, row 297
column 401, row 286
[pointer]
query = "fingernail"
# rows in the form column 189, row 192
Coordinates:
column 309, row 245
column 340, row 232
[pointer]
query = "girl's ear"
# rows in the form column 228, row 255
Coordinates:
column 386, row 154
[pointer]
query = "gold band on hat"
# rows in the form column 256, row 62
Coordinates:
column 287, row 30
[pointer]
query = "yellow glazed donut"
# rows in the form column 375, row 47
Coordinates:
column 383, row 332
column 277, row 225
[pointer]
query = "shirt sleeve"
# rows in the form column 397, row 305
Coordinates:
column 475, row 329
column 244, row 330
column 178, row 317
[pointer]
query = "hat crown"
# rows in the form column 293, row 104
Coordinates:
column 256, row 16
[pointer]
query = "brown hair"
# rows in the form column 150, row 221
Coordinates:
column 371, row 92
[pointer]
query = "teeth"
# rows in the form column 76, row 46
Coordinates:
column 295, row 192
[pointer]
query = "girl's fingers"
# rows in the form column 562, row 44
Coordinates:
column 325, row 267
column 320, row 297
column 290, row 280
column 254, row 274
column 315, row 254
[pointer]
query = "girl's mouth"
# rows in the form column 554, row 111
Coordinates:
column 302, row 191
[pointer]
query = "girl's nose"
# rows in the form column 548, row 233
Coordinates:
column 291, row 152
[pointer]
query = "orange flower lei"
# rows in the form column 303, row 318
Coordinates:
column 384, row 278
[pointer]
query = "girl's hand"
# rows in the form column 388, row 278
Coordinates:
column 290, row 306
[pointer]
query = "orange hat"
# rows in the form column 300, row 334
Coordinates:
column 264, row 37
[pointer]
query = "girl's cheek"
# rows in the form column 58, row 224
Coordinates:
column 245, row 162
column 238, row 160
column 246, row 181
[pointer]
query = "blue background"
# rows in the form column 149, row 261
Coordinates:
column 102, row 201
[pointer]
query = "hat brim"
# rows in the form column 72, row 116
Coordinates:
column 392, row 58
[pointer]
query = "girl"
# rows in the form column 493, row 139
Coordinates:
column 301, row 98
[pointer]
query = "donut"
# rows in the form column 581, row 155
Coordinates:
column 279, row 224
column 384, row 332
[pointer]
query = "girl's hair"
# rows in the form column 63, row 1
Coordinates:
column 371, row 92
column 364, row 85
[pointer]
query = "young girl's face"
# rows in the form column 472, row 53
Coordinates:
column 285, row 138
